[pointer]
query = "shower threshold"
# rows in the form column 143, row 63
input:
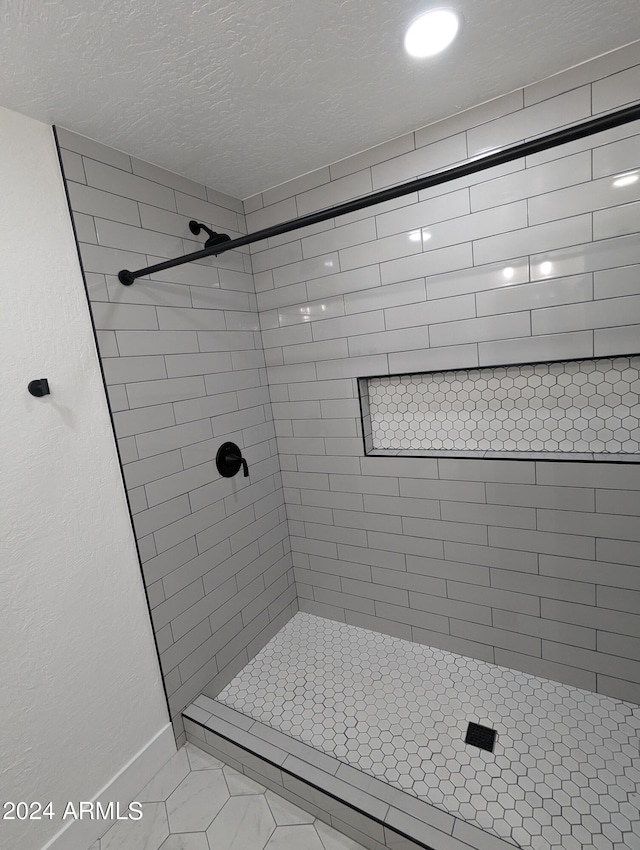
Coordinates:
column 367, row 732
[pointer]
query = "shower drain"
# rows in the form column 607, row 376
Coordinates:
column 480, row 736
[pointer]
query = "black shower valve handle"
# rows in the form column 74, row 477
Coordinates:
column 243, row 463
column 229, row 460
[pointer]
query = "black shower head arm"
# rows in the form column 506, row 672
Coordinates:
column 214, row 238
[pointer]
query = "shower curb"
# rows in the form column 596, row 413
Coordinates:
column 371, row 812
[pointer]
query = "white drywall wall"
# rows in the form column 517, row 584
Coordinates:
column 80, row 686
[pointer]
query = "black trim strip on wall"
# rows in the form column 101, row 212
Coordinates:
column 499, row 157
column 113, row 427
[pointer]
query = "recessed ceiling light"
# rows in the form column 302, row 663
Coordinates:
column 431, row 33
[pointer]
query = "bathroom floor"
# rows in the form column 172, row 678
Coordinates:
column 565, row 771
column 197, row 803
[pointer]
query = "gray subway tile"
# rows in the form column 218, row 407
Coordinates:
column 157, row 567
column 148, row 521
column 451, row 643
column 409, row 825
column 546, row 542
column 378, row 624
column 597, row 662
column 507, row 515
column 603, row 618
column 616, row 340
column 556, row 346
column 546, row 668
column 146, row 393
column 602, row 475
column 547, row 586
column 618, row 688
column 444, row 530
column 413, row 616
column 598, row 572
column 169, row 611
column 595, row 524
column 616, row 90
column 430, row 157
column 534, row 240
column 547, row 629
column 72, row 166
column 168, row 438
column 533, row 120
column 494, row 597
column 504, row 559
column 472, row 611
column 541, row 496
column 622, row 645
column 621, row 551
column 398, row 543
column 92, row 149
column 435, row 568
column 603, row 313
column 481, row 330
column 156, row 342
column 143, row 420
column 103, row 176
column 106, row 205
column 619, row 599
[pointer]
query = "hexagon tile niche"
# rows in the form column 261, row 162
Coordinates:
column 578, row 406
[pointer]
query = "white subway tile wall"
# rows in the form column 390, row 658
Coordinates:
column 525, row 563
column 535, row 261
column 568, row 407
column 184, row 365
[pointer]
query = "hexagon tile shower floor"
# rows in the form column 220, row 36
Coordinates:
column 565, row 771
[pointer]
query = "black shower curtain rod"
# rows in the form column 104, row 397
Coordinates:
column 499, row 157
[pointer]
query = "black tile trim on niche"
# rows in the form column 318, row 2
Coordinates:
column 488, row 454
column 492, row 454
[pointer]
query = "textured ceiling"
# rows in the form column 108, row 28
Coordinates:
column 244, row 95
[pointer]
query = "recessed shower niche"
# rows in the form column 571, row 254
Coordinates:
column 583, row 409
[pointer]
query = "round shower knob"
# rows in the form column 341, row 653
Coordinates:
column 229, row 460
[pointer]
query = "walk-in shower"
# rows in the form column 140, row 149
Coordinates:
column 379, row 440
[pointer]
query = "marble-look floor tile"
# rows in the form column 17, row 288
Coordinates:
column 167, row 779
column 294, row 838
column 244, row 822
column 285, row 813
column 186, row 841
column 199, row 760
column 147, row 833
column 197, row 800
column 246, row 819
